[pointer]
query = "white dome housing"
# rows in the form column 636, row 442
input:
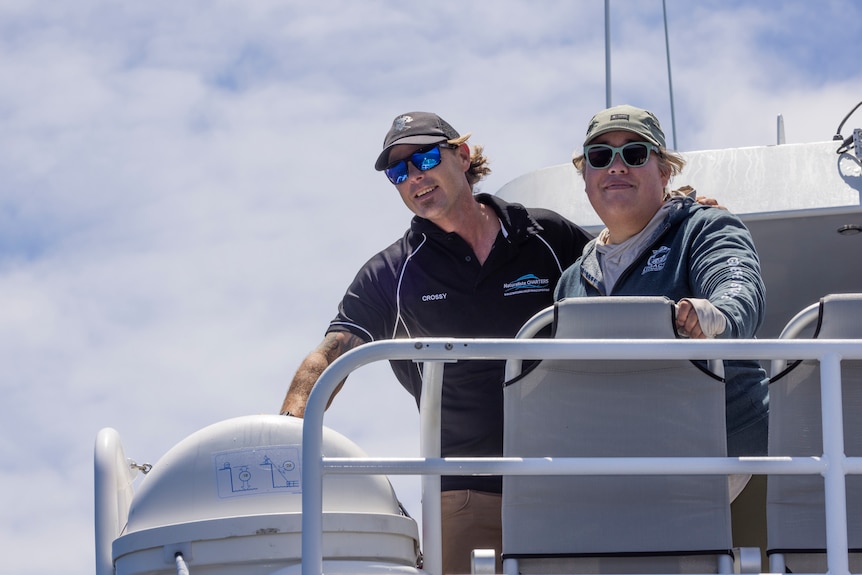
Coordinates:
column 229, row 498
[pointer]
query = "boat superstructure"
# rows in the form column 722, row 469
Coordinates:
column 277, row 495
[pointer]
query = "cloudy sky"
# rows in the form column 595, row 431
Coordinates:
column 187, row 189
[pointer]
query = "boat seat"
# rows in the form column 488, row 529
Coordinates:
column 796, row 517
column 614, row 408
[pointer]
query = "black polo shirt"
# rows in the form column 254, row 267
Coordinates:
column 430, row 284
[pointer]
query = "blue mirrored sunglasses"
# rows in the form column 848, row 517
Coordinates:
column 634, row 154
column 424, row 159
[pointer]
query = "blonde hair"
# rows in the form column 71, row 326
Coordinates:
column 478, row 161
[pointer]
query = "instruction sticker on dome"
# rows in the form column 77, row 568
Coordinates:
column 258, row 470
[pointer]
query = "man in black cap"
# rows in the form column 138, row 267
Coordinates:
column 470, row 266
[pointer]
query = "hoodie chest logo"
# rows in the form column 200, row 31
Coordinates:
column 657, row 260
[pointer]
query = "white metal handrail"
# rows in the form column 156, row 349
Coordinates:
column 833, row 465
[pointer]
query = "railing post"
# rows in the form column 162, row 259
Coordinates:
column 834, row 480
column 312, row 483
column 429, row 447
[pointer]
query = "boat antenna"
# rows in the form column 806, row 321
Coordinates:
column 780, row 137
column 608, row 64
column 669, row 77
column 607, row 53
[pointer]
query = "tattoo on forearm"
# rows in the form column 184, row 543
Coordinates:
column 337, row 344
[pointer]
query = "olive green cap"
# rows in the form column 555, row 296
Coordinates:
column 629, row 119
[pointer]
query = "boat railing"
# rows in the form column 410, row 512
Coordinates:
column 434, row 353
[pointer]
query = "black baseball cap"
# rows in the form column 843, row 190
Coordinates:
column 415, row 128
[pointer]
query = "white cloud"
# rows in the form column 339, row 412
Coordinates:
column 187, row 191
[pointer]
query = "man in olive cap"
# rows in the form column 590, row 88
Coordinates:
column 658, row 242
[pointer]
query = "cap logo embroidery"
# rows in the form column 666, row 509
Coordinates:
column 619, row 117
column 402, row 123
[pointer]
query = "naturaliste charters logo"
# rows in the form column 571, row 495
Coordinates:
column 528, row 283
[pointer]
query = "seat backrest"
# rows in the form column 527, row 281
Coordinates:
column 796, row 523
column 614, row 318
column 598, row 408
